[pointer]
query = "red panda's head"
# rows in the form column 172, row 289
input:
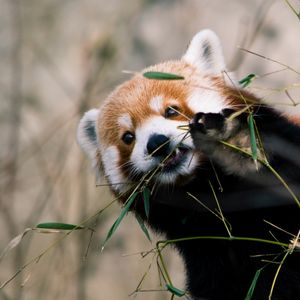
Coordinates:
column 136, row 132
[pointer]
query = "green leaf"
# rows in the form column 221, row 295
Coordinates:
column 247, row 80
column 58, row 226
column 120, row 218
column 253, row 285
column 146, row 198
column 252, row 137
column 175, row 291
column 162, row 76
column 143, row 227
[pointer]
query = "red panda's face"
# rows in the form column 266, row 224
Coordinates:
column 144, row 118
column 137, row 132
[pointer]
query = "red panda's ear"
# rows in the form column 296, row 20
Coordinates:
column 87, row 135
column 205, row 52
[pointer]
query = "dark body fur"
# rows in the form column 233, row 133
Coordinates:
column 223, row 269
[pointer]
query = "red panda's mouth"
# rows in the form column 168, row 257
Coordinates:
column 164, row 168
column 175, row 159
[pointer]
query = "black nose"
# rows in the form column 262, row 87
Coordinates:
column 158, row 145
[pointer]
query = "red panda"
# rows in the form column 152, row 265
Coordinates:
column 137, row 137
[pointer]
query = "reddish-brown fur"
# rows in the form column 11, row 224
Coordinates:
column 133, row 98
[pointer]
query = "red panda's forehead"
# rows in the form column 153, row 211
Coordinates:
column 134, row 96
column 132, row 104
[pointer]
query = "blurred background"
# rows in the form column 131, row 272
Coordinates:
column 61, row 58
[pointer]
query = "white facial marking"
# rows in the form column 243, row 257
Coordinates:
column 156, row 104
column 125, row 121
column 110, row 159
column 144, row 162
column 206, row 101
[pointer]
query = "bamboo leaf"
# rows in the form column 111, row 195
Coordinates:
column 14, row 243
column 175, row 291
column 143, row 227
column 119, row 219
column 253, row 285
column 247, row 80
column 162, row 76
column 58, row 226
column 146, row 198
column 252, row 137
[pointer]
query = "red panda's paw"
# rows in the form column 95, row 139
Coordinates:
column 212, row 126
column 208, row 124
column 208, row 129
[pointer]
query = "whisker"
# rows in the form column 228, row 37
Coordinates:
column 190, row 161
column 111, row 184
column 120, row 166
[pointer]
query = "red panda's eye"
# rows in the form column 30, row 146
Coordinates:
column 171, row 111
column 128, row 137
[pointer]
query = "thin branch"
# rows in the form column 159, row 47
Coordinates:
column 293, row 9
column 270, row 59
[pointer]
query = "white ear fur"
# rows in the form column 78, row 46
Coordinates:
column 205, row 52
column 87, row 134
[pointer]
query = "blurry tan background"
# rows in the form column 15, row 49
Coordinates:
column 60, row 58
